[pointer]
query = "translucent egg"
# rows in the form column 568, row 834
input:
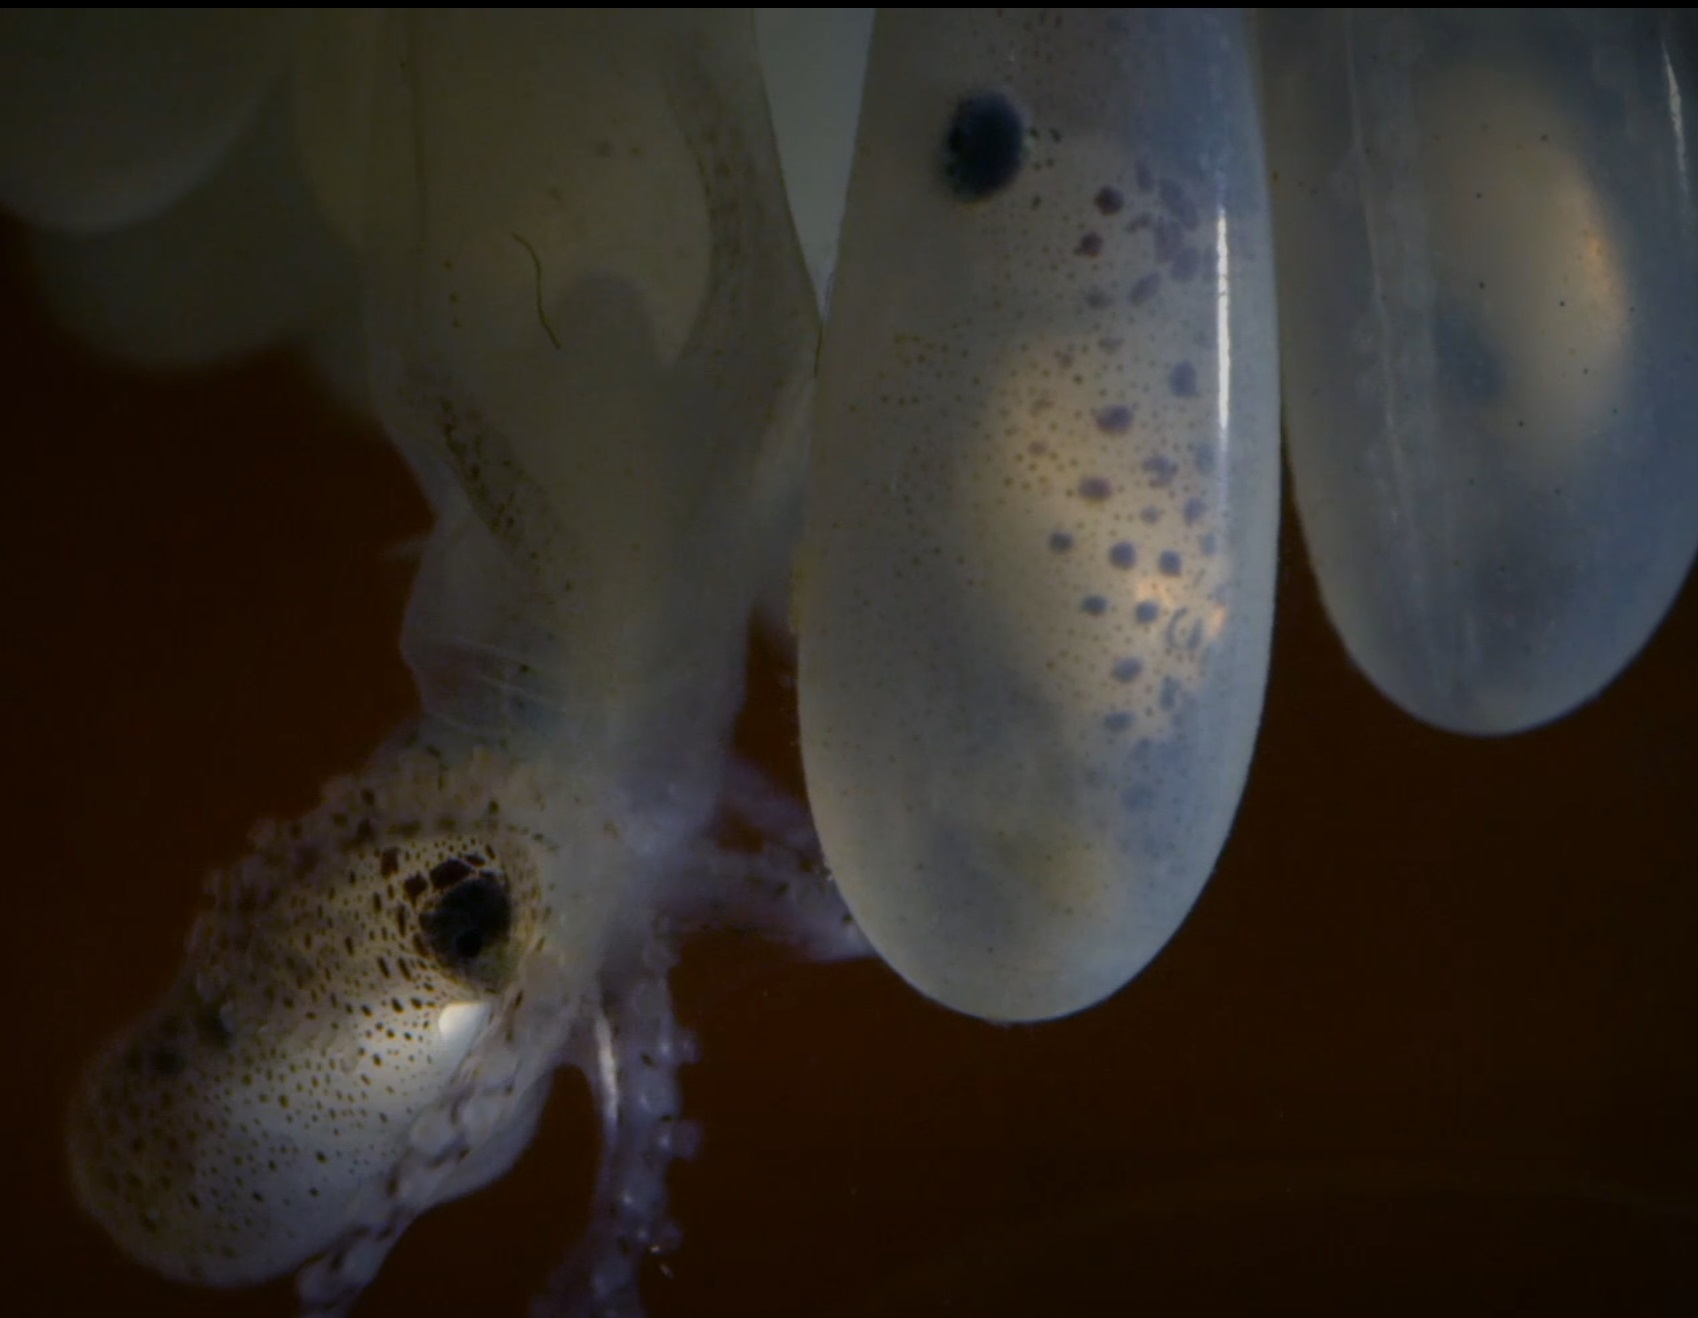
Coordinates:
column 1489, row 252
column 1035, row 591
column 244, row 260
column 109, row 116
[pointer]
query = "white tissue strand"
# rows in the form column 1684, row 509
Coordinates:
column 1036, row 588
column 343, row 977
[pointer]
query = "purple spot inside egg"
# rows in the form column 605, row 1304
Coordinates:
column 1115, row 420
column 1177, row 204
column 1169, row 239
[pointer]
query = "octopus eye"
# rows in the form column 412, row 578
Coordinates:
column 985, row 146
column 468, row 929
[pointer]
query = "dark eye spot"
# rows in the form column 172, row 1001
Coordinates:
column 984, row 147
column 468, row 927
column 450, row 872
column 1467, row 362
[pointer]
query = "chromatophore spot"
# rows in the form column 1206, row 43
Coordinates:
column 1036, row 582
column 1488, row 250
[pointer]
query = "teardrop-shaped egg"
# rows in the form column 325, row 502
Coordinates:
column 1488, row 251
column 109, row 116
column 1036, row 585
column 242, row 262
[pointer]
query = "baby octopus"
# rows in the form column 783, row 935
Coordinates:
column 593, row 347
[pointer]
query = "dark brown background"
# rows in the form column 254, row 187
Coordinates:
column 1428, row 1042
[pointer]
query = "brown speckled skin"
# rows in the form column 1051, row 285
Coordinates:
column 1429, row 1042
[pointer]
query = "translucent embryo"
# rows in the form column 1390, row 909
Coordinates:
column 1035, row 591
column 1488, row 239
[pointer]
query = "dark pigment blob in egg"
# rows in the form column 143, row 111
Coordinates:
column 984, row 147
